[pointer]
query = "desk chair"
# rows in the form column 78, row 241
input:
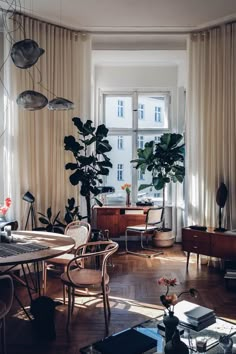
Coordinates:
column 6, row 298
column 91, row 279
column 154, row 219
column 80, row 231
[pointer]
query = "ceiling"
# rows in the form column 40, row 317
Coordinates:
column 131, row 24
column 130, row 15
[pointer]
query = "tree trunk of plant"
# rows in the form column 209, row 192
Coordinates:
column 164, row 205
column 88, row 205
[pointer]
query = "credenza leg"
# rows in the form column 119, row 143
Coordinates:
column 197, row 259
column 188, row 255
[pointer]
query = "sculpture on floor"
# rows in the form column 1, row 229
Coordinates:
column 221, row 198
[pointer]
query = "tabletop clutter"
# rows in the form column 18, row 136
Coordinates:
column 5, row 235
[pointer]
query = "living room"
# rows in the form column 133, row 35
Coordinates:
column 185, row 61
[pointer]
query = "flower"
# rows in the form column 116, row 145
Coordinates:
column 170, row 300
column 6, row 206
column 126, row 187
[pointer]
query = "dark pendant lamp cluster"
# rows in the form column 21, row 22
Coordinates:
column 25, row 54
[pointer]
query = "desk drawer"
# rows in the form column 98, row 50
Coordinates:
column 198, row 247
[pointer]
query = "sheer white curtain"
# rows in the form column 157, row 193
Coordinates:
column 34, row 140
column 211, row 125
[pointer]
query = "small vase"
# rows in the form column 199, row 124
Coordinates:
column 128, row 203
column 171, row 322
column 175, row 345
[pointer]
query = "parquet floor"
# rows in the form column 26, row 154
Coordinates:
column 134, row 298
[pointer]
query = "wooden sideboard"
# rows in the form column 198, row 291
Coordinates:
column 209, row 243
column 117, row 218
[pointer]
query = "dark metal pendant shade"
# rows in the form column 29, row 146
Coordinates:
column 60, row 103
column 31, row 100
column 25, row 53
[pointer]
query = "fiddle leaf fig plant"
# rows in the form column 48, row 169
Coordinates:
column 165, row 161
column 91, row 163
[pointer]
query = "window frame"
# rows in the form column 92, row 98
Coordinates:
column 134, row 131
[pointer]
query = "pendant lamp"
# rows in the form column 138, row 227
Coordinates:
column 31, row 100
column 25, row 53
column 60, row 104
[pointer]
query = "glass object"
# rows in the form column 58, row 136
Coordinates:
column 226, row 343
column 201, row 344
column 171, row 322
column 128, row 202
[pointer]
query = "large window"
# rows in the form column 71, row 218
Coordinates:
column 132, row 132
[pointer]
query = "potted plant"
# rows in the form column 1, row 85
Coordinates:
column 91, row 163
column 53, row 224
column 165, row 161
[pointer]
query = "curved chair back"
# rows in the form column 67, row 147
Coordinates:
column 80, row 231
column 154, row 216
column 90, row 250
column 6, row 291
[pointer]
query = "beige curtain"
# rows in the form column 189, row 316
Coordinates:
column 210, row 125
column 34, row 140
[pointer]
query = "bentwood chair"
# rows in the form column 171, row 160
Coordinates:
column 80, row 231
column 87, row 272
column 6, row 298
column 154, row 219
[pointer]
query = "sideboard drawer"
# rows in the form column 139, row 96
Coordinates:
column 200, row 247
column 196, row 242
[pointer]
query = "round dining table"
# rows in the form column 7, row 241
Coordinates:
column 56, row 244
column 31, row 247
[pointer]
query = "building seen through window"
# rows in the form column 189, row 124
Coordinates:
column 120, row 108
column 120, row 144
column 141, row 111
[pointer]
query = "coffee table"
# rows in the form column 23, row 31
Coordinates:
column 110, row 344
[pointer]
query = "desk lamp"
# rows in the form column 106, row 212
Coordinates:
column 29, row 198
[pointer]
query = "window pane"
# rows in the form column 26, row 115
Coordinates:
column 118, row 111
column 156, row 115
column 146, row 178
column 121, row 171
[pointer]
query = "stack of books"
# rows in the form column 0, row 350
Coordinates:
column 194, row 316
column 230, row 274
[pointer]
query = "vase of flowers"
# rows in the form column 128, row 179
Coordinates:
column 126, row 188
column 169, row 301
column 4, row 208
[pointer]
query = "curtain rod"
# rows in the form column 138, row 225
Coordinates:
column 194, row 31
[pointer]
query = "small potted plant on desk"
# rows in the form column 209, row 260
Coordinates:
column 165, row 161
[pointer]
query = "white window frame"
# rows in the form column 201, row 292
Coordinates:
column 134, row 131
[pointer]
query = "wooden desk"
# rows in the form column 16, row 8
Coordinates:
column 208, row 243
column 117, row 218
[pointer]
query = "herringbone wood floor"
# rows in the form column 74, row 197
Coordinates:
column 134, row 298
